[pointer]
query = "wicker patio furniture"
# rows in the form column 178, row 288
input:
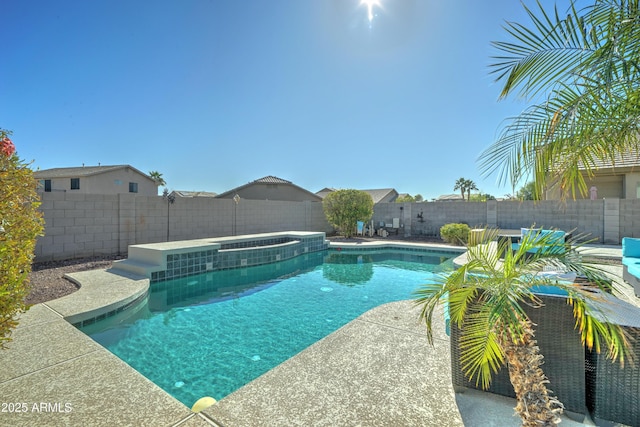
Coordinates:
column 582, row 380
column 613, row 391
column 559, row 342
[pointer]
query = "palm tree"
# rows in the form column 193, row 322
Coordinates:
column 486, row 299
column 470, row 185
column 582, row 71
column 157, row 178
column 461, row 185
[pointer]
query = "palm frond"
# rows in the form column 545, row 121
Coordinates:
column 538, row 57
column 487, row 297
column 481, row 354
column 596, row 332
column 587, row 66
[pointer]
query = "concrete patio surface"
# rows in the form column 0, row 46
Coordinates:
column 378, row 370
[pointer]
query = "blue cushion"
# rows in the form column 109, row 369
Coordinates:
column 533, row 233
column 630, row 260
column 549, row 249
column 555, row 240
column 630, row 247
column 557, row 236
column 634, row 269
column 548, row 290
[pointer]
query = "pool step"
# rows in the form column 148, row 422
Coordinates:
column 136, row 267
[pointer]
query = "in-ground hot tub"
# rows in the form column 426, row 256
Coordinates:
column 173, row 260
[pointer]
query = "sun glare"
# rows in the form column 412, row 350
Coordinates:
column 370, row 5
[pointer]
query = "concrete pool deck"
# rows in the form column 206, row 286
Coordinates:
column 378, row 370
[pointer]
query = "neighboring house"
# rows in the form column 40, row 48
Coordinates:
column 383, row 195
column 450, row 198
column 326, row 190
column 271, row 188
column 96, row 180
column 191, row 194
column 618, row 178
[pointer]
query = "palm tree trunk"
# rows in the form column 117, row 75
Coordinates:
column 536, row 407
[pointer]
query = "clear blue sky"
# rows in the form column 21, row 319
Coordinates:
column 217, row 93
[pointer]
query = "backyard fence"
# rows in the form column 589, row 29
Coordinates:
column 80, row 225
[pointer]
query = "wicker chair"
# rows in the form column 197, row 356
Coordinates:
column 564, row 356
column 613, row 391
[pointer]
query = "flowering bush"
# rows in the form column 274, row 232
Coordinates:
column 6, row 146
column 21, row 223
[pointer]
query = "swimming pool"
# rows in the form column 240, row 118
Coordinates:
column 210, row 334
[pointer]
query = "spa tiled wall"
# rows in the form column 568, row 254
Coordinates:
column 236, row 255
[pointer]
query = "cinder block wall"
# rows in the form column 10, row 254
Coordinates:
column 585, row 216
column 629, row 218
column 78, row 225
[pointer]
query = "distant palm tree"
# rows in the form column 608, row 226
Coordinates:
column 470, row 185
column 461, row 185
column 486, row 299
column 157, row 178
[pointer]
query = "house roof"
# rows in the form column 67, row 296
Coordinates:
column 270, row 179
column 447, row 197
column 76, row 172
column 181, row 193
column 326, row 190
column 628, row 159
column 379, row 194
column 376, row 194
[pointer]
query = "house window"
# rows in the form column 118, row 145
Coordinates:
column 117, row 181
column 75, row 183
column 133, row 187
column 47, row 185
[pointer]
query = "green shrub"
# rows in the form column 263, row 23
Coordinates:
column 455, row 233
column 21, row 223
column 344, row 208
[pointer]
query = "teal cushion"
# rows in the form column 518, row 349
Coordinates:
column 532, row 233
column 555, row 240
column 555, row 236
column 634, row 269
column 630, row 260
column 549, row 249
column 630, row 247
column 558, row 236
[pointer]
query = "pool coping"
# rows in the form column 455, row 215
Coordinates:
column 52, row 362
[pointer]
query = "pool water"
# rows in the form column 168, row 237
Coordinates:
column 210, row 334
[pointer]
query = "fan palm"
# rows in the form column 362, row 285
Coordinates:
column 157, row 178
column 486, row 299
column 470, row 186
column 583, row 73
column 461, row 184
